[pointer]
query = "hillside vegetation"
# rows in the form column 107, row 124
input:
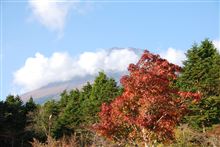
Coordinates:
column 157, row 104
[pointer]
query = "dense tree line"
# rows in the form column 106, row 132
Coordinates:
column 151, row 102
column 14, row 121
column 76, row 109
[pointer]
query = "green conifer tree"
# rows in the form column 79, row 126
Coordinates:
column 201, row 72
column 103, row 90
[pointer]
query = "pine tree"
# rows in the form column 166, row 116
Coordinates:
column 30, row 105
column 103, row 90
column 69, row 116
column 12, row 121
column 201, row 71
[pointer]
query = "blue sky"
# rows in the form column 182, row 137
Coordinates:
column 92, row 26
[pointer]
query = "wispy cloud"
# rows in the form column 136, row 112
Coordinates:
column 50, row 14
column 39, row 70
column 53, row 14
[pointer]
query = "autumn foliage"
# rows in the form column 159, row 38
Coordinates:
column 150, row 107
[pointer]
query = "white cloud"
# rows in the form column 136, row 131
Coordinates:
column 174, row 56
column 177, row 56
column 50, row 14
column 39, row 70
column 217, row 44
column 113, row 61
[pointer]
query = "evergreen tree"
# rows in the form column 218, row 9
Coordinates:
column 64, row 99
column 12, row 121
column 85, row 92
column 30, row 105
column 201, row 71
column 103, row 90
column 69, row 117
column 78, row 109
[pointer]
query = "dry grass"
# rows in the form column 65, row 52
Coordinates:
column 185, row 137
column 72, row 141
column 51, row 142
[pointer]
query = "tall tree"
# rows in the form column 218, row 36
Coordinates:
column 69, row 116
column 104, row 89
column 201, row 71
column 149, row 108
column 12, row 121
column 30, row 105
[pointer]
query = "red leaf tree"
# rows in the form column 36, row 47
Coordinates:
column 149, row 108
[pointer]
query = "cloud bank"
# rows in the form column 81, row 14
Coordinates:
column 50, row 14
column 40, row 71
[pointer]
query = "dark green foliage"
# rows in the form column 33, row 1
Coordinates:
column 205, row 113
column 85, row 92
column 41, row 120
column 30, row 105
column 103, row 90
column 45, row 117
column 13, row 121
column 77, row 109
column 201, row 72
column 64, row 99
column 69, row 116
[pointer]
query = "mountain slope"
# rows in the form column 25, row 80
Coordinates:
column 53, row 90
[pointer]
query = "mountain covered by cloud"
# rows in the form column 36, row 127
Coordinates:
column 46, row 77
column 39, row 71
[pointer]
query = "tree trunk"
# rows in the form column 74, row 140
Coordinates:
column 145, row 137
